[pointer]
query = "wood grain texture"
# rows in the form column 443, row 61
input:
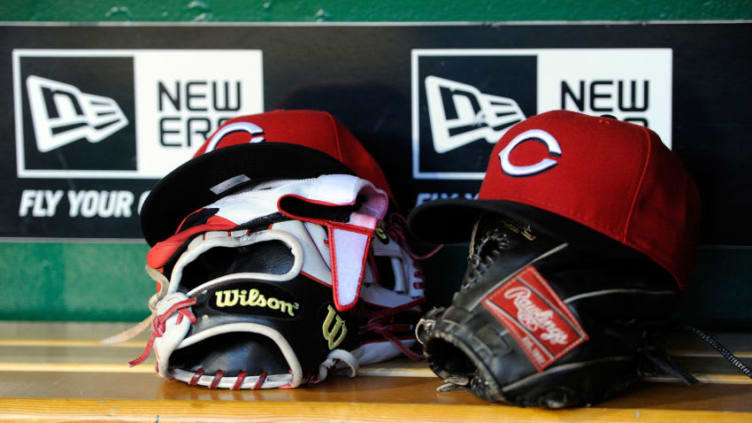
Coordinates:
column 212, row 411
column 70, row 396
column 64, row 375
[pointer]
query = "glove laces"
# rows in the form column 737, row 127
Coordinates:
column 483, row 255
column 159, row 322
column 132, row 332
column 380, row 324
column 395, row 228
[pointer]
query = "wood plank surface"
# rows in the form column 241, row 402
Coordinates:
column 31, row 396
column 59, row 372
column 215, row 411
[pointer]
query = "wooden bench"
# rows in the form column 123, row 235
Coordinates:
column 60, row 372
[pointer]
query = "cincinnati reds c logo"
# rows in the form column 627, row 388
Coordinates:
column 235, row 127
column 544, row 164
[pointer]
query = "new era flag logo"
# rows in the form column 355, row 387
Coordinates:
column 132, row 114
column 461, row 97
column 62, row 114
column 461, row 114
column 462, row 105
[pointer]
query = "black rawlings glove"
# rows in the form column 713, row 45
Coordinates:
column 539, row 321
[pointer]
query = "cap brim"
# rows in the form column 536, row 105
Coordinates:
column 452, row 221
column 189, row 187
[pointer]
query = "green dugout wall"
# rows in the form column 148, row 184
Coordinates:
column 104, row 281
column 373, row 11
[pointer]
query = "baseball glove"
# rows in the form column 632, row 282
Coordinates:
column 543, row 321
column 278, row 284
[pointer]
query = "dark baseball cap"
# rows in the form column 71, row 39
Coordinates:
column 292, row 144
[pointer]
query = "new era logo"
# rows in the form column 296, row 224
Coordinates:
column 62, row 114
column 462, row 105
column 75, row 114
column 125, row 114
column 464, row 100
column 461, row 114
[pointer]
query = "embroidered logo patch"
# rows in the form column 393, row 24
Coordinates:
column 257, row 299
column 537, row 318
column 334, row 328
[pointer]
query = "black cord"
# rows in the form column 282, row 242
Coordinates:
column 728, row 355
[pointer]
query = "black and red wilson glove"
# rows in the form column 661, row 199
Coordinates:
column 277, row 285
column 539, row 321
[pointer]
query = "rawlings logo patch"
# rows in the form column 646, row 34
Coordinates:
column 534, row 318
column 538, row 319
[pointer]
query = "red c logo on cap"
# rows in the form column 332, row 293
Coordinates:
column 235, row 127
column 544, row 164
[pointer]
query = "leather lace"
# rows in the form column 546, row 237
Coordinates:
column 380, row 324
column 159, row 322
column 395, row 228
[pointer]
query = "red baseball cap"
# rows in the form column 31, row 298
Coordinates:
column 593, row 178
column 293, row 144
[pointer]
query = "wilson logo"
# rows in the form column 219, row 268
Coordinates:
column 536, row 317
column 333, row 329
column 253, row 298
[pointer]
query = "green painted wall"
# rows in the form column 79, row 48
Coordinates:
column 74, row 281
column 374, row 11
column 106, row 282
